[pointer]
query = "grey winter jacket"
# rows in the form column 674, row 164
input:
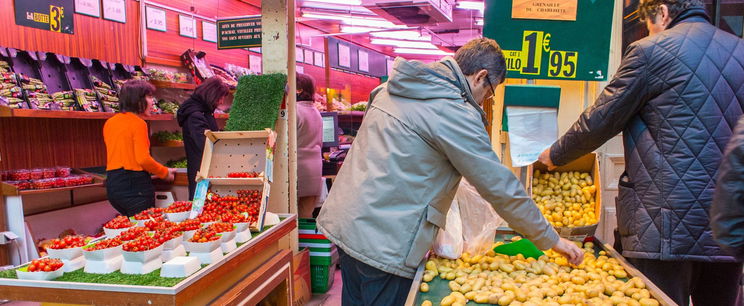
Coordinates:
column 727, row 212
column 676, row 97
column 418, row 138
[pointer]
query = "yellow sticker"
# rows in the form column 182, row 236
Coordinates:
column 563, row 64
column 532, row 45
column 513, row 60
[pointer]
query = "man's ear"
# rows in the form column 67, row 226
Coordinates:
column 664, row 13
column 481, row 76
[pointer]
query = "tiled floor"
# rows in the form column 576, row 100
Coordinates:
column 330, row 298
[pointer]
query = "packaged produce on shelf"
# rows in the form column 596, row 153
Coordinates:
column 11, row 93
column 359, row 106
column 44, row 178
column 566, row 199
column 98, row 83
column 36, row 93
column 167, row 76
column 86, row 99
column 181, row 163
column 547, row 280
column 65, row 100
column 4, row 66
column 139, row 75
column 165, row 136
column 109, row 98
column 168, row 107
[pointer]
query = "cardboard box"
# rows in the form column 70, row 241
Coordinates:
column 301, row 274
column 587, row 163
column 246, row 151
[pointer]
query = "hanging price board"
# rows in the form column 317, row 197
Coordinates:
column 50, row 15
column 539, row 37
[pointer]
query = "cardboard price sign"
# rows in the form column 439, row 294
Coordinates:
column 539, row 37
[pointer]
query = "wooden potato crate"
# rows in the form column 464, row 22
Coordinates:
column 587, row 163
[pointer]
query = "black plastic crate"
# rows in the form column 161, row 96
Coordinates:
column 24, row 62
column 53, row 72
column 100, row 70
column 76, row 70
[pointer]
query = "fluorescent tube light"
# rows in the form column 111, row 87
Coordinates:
column 421, row 51
column 403, row 43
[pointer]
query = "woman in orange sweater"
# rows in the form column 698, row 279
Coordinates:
column 129, row 164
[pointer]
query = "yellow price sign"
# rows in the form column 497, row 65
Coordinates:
column 513, row 60
column 532, row 45
column 563, row 64
column 56, row 13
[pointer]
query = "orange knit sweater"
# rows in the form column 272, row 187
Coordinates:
column 128, row 145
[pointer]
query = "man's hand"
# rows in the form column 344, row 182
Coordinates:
column 568, row 249
column 545, row 159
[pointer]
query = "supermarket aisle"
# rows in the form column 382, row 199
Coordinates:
column 332, row 297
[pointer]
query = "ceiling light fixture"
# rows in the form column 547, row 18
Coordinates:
column 345, row 2
column 471, row 5
column 403, row 43
column 421, row 51
column 479, row 21
column 354, row 21
column 407, row 35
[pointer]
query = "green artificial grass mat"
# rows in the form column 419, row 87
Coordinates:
column 117, row 278
column 257, row 101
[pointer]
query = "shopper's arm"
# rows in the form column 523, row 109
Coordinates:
column 620, row 100
column 462, row 137
column 727, row 212
column 142, row 151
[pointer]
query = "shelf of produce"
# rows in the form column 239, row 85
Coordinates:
column 165, row 84
column 168, row 144
column 257, row 181
column 438, row 288
column 11, row 190
column 259, row 268
column 58, row 114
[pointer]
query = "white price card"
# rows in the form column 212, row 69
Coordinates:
column 115, row 10
column 344, row 56
column 187, row 26
column 88, row 7
column 156, row 19
column 363, row 61
column 209, row 31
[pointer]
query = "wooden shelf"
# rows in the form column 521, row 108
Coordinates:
column 164, row 84
column 40, row 113
column 169, row 144
column 8, row 192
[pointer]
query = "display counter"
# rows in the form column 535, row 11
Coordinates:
column 257, row 270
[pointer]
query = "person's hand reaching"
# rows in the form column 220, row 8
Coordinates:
column 568, row 249
column 545, row 159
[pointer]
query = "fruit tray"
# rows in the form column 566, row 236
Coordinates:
column 75, row 178
column 437, row 289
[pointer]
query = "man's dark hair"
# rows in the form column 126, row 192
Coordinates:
column 132, row 96
column 647, row 9
column 482, row 53
column 306, row 84
column 211, row 91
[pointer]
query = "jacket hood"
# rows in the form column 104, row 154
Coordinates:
column 190, row 106
column 417, row 80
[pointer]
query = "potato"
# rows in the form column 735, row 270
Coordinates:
column 447, row 301
column 426, row 303
column 649, row 302
column 424, row 287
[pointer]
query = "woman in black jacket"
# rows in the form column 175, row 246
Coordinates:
column 195, row 116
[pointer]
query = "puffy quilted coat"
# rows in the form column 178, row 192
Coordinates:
column 676, row 97
column 727, row 213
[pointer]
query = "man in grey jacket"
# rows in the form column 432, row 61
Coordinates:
column 676, row 98
column 423, row 131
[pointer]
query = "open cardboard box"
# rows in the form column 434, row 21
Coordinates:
column 587, row 163
column 243, row 151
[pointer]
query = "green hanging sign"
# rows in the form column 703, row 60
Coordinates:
column 238, row 33
column 552, row 39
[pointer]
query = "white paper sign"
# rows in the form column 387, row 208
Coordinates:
column 363, row 61
column 531, row 131
column 209, row 31
column 319, row 59
column 344, row 56
column 187, row 26
column 255, row 62
column 300, row 69
column 299, row 55
column 309, row 56
column 88, row 7
column 155, row 19
column 115, row 10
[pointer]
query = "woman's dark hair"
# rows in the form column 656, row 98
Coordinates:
column 132, row 96
column 306, row 84
column 211, row 91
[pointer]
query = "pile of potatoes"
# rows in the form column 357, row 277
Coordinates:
column 549, row 280
column 566, row 199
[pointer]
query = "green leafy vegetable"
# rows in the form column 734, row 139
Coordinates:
column 257, row 101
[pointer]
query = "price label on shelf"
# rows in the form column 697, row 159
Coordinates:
column 541, row 43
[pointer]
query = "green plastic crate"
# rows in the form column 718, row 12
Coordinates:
column 321, row 277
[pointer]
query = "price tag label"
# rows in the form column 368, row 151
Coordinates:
column 155, row 19
column 529, row 60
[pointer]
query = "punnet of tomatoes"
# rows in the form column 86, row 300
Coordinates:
column 132, row 233
column 140, row 244
column 221, row 227
column 190, row 225
column 67, row 242
column 234, row 218
column 118, row 223
column 178, row 206
column 206, row 216
column 105, row 244
column 150, row 213
column 44, row 265
column 159, row 224
column 242, row 174
column 204, row 235
column 164, row 235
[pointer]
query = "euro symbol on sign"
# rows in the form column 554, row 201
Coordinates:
column 546, row 42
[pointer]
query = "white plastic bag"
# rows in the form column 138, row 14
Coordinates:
column 449, row 243
column 478, row 220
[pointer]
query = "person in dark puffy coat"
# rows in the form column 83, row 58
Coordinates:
column 676, row 97
column 195, row 116
column 727, row 212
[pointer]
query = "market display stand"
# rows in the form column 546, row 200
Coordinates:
column 414, row 297
column 258, row 270
column 23, row 249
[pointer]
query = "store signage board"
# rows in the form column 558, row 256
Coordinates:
column 186, row 26
column 541, row 48
column 363, row 61
column 156, row 19
column 344, row 56
column 50, row 15
column 88, row 7
column 545, row 9
column 235, row 33
column 115, row 10
column 209, row 31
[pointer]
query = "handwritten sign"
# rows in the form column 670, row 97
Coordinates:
column 319, row 59
column 155, row 19
column 344, row 56
column 545, row 9
column 186, row 26
column 309, row 56
column 209, row 31
column 88, row 7
column 363, row 60
column 235, row 33
column 255, row 63
column 115, row 10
